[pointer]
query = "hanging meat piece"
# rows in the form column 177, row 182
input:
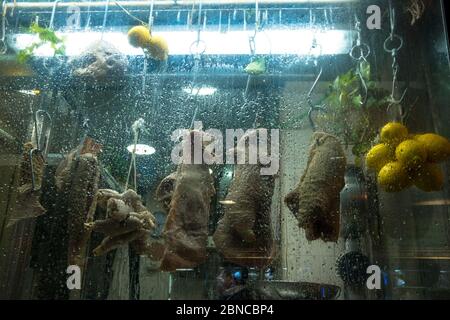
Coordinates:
column 127, row 220
column 164, row 192
column 113, row 242
column 27, row 202
column 185, row 233
column 77, row 179
column 315, row 201
column 244, row 234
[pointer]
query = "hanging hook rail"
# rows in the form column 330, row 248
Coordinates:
column 3, row 46
column 392, row 45
column 313, row 107
column 359, row 53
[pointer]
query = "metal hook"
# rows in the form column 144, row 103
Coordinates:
column 313, row 107
column 251, row 39
column 257, row 15
column 150, row 15
column 395, row 66
column 33, row 179
column 199, row 45
column 220, row 21
column 88, row 19
column 364, row 85
column 363, row 54
column 392, row 17
column 40, row 147
column 52, row 18
column 105, row 17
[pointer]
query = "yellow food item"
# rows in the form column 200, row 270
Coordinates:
column 393, row 177
column 411, row 153
column 379, row 156
column 438, row 147
column 430, row 178
column 393, row 133
column 158, row 48
column 139, row 37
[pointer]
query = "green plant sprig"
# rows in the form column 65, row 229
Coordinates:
column 346, row 116
column 46, row 36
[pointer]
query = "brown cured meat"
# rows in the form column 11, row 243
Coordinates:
column 315, row 201
column 244, row 234
column 127, row 220
column 165, row 190
column 77, row 179
column 185, row 233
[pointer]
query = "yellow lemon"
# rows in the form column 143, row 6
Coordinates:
column 139, row 36
column 393, row 177
column 438, row 147
column 379, row 156
column 430, row 178
column 393, row 133
column 158, row 48
column 411, row 153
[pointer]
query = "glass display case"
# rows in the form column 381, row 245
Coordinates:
column 224, row 149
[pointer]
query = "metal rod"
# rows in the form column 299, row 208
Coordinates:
column 52, row 18
column 312, row 107
column 7, row 137
column 166, row 3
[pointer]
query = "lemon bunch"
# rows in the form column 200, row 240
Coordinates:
column 156, row 46
column 402, row 160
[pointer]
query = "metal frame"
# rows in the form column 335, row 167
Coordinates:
column 165, row 3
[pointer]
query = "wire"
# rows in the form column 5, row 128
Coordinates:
column 132, row 16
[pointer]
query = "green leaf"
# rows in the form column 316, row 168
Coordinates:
column 45, row 35
column 365, row 70
column 256, row 67
column 357, row 101
column 345, row 116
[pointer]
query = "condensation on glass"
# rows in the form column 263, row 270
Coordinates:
column 224, row 150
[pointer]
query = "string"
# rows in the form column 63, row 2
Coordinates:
column 137, row 126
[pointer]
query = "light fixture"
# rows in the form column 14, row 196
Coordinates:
column 202, row 91
column 141, row 149
column 34, row 92
column 438, row 202
column 185, row 269
column 270, row 41
column 227, row 202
